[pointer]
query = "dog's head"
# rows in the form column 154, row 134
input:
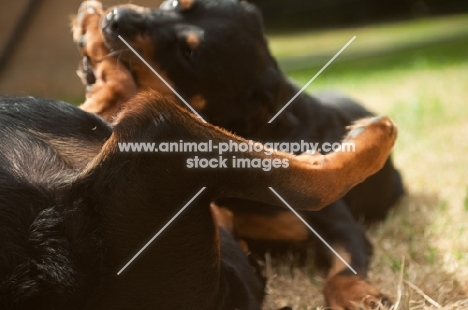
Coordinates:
column 213, row 52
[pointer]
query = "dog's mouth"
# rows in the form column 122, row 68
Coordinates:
column 114, row 27
column 86, row 72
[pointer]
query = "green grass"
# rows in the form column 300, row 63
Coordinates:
column 465, row 202
column 425, row 90
column 381, row 36
column 388, row 66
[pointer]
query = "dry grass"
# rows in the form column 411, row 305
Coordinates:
column 421, row 250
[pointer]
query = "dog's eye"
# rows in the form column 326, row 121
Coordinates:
column 191, row 42
column 188, row 53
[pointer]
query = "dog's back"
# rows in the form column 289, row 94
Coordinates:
column 46, row 250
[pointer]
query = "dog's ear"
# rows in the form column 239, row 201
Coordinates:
column 253, row 12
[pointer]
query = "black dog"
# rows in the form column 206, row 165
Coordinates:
column 215, row 55
column 67, row 227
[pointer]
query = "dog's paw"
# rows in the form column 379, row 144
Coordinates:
column 88, row 38
column 86, row 27
column 109, row 84
column 363, row 153
column 351, row 292
column 371, row 141
column 380, row 125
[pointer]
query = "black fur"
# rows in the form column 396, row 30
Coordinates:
column 50, row 250
column 53, row 253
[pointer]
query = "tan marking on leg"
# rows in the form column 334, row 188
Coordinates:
column 337, row 265
column 350, row 291
column 355, row 293
column 284, row 226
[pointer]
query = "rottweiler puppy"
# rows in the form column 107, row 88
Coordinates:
column 215, row 55
column 74, row 208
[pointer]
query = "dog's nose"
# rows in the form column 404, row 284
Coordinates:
column 123, row 21
column 113, row 20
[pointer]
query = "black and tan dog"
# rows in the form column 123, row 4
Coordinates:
column 74, row 208
column 214, row 53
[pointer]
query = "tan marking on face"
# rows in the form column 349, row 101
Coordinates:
column 186, row 4
column 337, row 265
column 193, row 41
column 198, row 102
column 144, row 76
column 284, row 226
